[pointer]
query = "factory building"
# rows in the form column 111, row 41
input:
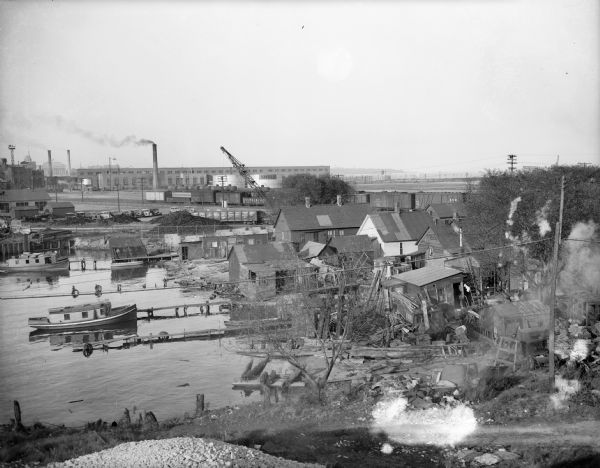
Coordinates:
column 173, row 178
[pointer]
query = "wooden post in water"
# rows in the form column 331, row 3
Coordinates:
column 199, row 404
column 17, row 410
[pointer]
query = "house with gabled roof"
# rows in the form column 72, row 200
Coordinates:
column 447, row 212
column 396, row 233
column 263, row 271
column 299, row 224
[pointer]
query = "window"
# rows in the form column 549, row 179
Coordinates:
column 27, row 261
column 252, row 276
column 67, row 316
column 84, row 314
column 250, row 241
column 341, row 232
column 214, row 244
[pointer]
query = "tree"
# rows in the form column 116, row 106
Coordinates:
column 537, row 211
column 321, row 190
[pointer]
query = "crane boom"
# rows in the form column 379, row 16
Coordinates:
column 241, row 168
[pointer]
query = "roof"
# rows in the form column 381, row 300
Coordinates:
column 447, row 210
column 344, row 244
column 416, row 223
column 311, row 249
column 245, row 231
column 60, row 204
column 401, row 227
column 322, row 217
column 23, row 195
column 520, row 309
column 264, row 253
column 390, row 227
column 427, row 275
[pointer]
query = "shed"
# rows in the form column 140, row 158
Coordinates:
column 59, row 209
column 122, row 248
column 525, row 321
column 438, row 284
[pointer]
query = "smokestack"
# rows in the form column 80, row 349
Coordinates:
column 154, row 167
column 339, row 200
column 49, row 163
column 307, row 202
column 69, row 163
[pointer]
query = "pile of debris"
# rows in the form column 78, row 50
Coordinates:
column 576, row 343
column 124, row 218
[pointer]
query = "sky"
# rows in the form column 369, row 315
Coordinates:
column 425, row 86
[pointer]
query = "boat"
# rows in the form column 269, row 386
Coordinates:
column 84, row 316
column 35, row 261
column 118, row 264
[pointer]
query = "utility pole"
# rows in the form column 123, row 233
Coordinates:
column 512, row 162
column 142, row 179
column 552, row 320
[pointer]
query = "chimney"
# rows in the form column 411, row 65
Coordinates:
column 49, row 163
column 69, row 163
column 154, row 167
column 307, row 202
column 339, row 200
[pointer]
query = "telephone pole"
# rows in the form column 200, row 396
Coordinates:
column 552, row 320
column 512, row 162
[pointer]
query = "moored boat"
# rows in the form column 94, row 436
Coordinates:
column 84, row 316
column 115, row 264
column 35, row 261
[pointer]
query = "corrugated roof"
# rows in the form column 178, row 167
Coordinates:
column 447, row 210
column 426, row 275
column 23, row 195
column 264, row 253
column 520, row 308
column 319, row 217
column 346, row 244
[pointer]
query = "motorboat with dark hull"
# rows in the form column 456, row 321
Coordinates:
column 84, row 316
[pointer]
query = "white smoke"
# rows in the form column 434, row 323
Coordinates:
column 106, row 140
column 438, row 425
column 509, row 221
column 565, row 389
column 581, row 260
column 541, row 218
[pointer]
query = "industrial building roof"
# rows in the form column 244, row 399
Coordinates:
column 321, row 217
column 424, row 276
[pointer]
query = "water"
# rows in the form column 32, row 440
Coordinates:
column 48, row 377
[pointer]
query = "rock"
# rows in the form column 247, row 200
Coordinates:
column 467, row 454
column 487, row 459
column 506, row 455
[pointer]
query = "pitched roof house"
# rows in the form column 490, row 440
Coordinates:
column 299, row 224
column 447, row 212
column 262, row 271
column 396, row 233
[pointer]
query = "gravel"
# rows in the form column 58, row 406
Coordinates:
column 179, row 452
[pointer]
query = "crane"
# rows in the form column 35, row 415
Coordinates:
column 241, row 168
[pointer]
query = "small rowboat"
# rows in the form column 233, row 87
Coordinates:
column 126, row 264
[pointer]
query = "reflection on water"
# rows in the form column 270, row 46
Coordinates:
column 98, row 336
column 120, row 275
column 42, row 371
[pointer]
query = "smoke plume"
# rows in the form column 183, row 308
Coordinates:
column 509, row 221
column 581, row 259
column 102, row 139
column 541, row 218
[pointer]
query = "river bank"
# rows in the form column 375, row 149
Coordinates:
column 342, row 430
